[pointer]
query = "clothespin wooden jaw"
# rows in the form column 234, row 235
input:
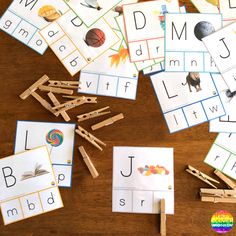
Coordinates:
column 163, row 217
column 64, row 84
column 231, row 184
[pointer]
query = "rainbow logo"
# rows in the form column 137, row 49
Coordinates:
column 222, row 222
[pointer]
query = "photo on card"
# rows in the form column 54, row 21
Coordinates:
column 184, row 47
column 90, row 11
column 59, row 139
column 227, row 123
column 187, row 99
column 206, row 6
column 221, row 46
column 24, row 19
column 28, row 185
column 145, row 26
column 141, row 178
column 222, row 155
column 75, row 44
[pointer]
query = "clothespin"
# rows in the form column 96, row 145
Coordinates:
column 73, row 103
column 64, row 84
column 218, row 195
column 57, row 103
column 55, row 90
column 163, row 217
column 205, row 178
column 108, row 121
column 88, row 162
column 231, row 184
column 93, row 114
column 89, row 137
column 34, row 87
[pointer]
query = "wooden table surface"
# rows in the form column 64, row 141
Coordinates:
column 88, row 204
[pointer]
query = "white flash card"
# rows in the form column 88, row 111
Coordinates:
column 75, row 44
column 187, row 99
column 227, row 123
column 142, row 176
column 23, row 20
column 58, row 137
column 145, row 25
column 228, row 10
column 222, row 155
column 28, row 185
column 90, row 11
column 184, row 49
column 206, row 6
column 221, row 46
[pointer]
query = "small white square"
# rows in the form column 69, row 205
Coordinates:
column 231, row 78
column 138, row 51
column 88, row 82
column 9, row 22
column 11, row 211
column 38, row 43
column 142, row 201
column 217, row 157
column 63, row 174
column 174, row 61
column 156, row 48
column 209, row 63
column 169, row 199
column 194, row 61
column 31, row 205
column 127, row 88
column 121, row 201
column 107, row 85
column 51, row 199
column 230, row 167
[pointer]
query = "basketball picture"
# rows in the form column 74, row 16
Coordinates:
column 95, row 38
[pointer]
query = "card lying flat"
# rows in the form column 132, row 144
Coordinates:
column 221, row 46
column 141, row 178
column 222, row 155
column 184, row 49
column 76, row 45
column 228, row 10
column 23, row 20
column 58, row 137
column 206, row 6
column 144, row 24
column 90, row 11
column 227, row 123
column 28, row 185
column 187, row 99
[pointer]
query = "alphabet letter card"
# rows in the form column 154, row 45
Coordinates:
column 90, row 11
column 28, row 185
column 23, row 20
column 222, row 155
column 206, row 6
column 58, row 137
column 221, row 46
column 75, row 44
column 228, row 10
column 184, row 49
column 227, row 123
column 187, row 99
column 145, row 25
column 142, row 176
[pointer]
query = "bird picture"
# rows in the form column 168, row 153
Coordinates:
column 91, row 4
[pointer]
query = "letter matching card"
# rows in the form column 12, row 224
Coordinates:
column 228, row 10
column 221, row 46
column 75, row 44
column 222, row 155
column 187, row 99
column 184, row 49
column 227, row 123
column 90, row 11
column 145, row 25
column 28, row 185
column 24, row 18
column 141, row 178
column 59, row 139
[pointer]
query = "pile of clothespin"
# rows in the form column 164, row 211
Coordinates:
column 215, row 195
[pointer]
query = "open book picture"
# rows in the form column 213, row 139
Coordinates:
column 32, row 174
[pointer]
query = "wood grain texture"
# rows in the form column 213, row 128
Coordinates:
column 88, row 203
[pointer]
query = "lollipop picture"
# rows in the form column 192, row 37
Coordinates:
column 55, row 138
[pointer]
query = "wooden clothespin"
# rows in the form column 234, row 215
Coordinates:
column 205, row 178
column 218, row 195
column 74, row 103
column 64, row 84
column 108, row 121
column 163, row 217
column 231, row 184
column 55, row 90
column 93, row 114
column 57, row 103
column 88, row 162
column 89, row 137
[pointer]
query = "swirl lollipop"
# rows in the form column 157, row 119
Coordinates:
column 55, row 138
